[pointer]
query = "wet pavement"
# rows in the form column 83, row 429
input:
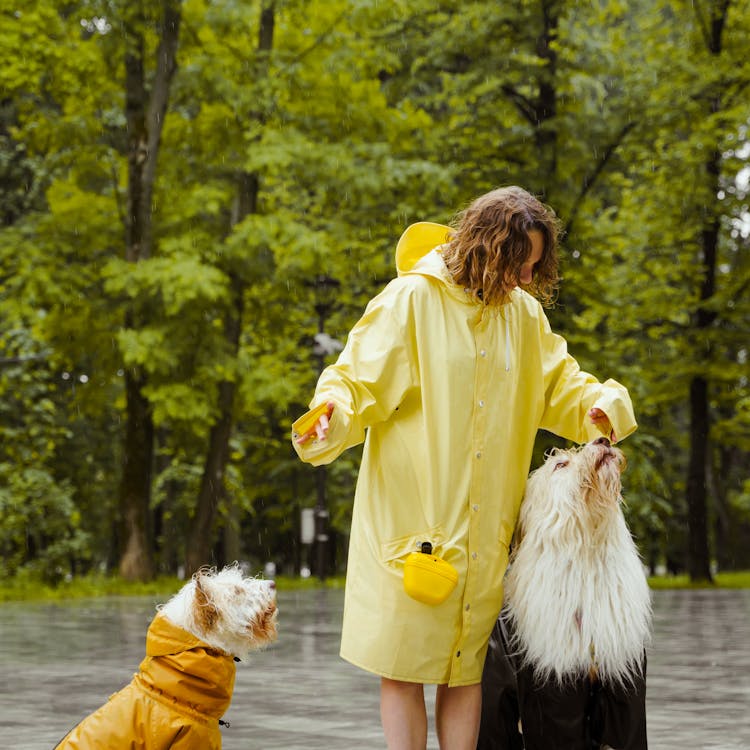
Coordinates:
column 60, row 661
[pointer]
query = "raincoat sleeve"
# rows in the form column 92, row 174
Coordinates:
column 371, row 376
column 569, row 393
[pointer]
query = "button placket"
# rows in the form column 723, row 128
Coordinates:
column 479, row 417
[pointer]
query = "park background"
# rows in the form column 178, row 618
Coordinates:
column 192, row 191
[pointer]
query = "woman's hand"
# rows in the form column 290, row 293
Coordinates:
column 601, row 420
column 319, row 431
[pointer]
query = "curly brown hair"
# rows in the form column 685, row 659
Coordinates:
column 490, row 242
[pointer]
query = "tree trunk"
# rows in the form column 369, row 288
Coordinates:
column 145, row 114
column 136, row 561
column 699, row 559
column 541, row 109
column 201, row 533
column 546, row 104
column 698, row 554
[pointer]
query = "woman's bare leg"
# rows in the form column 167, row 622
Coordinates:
column 457, row 714
column 403, row 714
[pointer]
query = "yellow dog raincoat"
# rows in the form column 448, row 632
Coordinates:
column 175, row 700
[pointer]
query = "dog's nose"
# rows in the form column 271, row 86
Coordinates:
column 601, row 441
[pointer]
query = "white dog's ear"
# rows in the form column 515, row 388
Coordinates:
column 206, row 612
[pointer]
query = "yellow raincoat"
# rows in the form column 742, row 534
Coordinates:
column 448, row 396
column 175, row 701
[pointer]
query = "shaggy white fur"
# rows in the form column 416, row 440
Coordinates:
column 226, row 610
column 576, row 592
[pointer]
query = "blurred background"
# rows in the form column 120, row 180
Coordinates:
column 199, row 197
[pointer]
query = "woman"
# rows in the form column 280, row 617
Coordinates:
column 447, row 377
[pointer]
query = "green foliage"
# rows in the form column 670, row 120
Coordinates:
column 26, row 587
column 307, row 158
column 40, row 525
column 735, row 580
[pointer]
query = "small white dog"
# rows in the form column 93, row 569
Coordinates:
column 185, row 683
column 577, row 614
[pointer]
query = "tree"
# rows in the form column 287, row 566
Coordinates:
column 276, row 137
column 301, row 153
column 212, row 488
column 145, row 110
column 673, row 278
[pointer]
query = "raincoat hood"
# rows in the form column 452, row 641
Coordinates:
column 164, row 638
column 186, row 670
column 416, row 242
column 418, row 253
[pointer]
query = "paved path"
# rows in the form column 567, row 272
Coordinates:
column 60, row 661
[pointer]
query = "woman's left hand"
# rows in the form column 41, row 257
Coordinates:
column 601, row 420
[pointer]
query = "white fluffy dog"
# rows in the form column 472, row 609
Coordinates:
column 567, row 656
column 185, row 683
column 576, row 592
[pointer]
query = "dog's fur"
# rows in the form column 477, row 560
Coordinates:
column 185, row 683
column 568, row 653
column 225, row 610
column 576, row 592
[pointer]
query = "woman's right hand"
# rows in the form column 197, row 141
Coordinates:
column 601, row 420
column 319, row 431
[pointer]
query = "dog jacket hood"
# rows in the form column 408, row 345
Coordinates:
column 175, row 700
column 165, row 638
column 448, row 397
column 187, row 670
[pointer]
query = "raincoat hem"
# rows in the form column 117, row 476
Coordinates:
column 411, row 678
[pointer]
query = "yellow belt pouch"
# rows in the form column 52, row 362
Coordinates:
column 429, row 579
